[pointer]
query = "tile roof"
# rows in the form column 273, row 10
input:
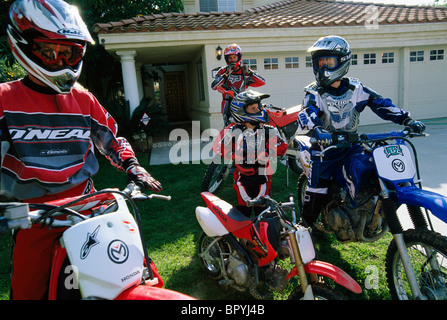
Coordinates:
column 282, row 14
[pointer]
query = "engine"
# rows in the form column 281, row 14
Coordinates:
column 362, row 222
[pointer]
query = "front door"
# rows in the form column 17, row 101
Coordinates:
column 175, row 96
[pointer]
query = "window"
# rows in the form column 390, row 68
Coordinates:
column 369, row 58
column 208, row 5
column 217, row 5
column 354, row 60
column 308, row 61
column 416, row 56
column 271, row 63
column 226, row 5
column 387, row 57
column 292, row 62
column 251, row 63
column 437, row 54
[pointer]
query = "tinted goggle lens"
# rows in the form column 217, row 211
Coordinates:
column 328, row 62
column 54, row 51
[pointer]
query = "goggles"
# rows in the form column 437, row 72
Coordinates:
column 53, row 51
column 330, row 62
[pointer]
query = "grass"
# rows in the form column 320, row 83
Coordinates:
column 171, row 232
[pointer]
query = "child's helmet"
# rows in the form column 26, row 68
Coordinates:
column 331, row 58
column 244, row 99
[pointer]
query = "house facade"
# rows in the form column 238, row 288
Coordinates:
column 399, row 51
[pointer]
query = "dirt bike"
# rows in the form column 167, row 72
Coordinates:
column 285, row 120
column 106, row 252
column 364, row 195
column 244, row 252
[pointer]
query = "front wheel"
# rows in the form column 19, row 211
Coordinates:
column 301, row 189
column 320, row 291
column 428, row 255
column 213, row 255
column 295, row 164
column 215, row 174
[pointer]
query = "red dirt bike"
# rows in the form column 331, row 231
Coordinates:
column 285, row 120
column 102, row 251
column 244, row 252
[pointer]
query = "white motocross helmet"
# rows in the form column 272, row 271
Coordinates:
column 36, row 25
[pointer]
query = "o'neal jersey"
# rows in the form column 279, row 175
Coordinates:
column 48, row 140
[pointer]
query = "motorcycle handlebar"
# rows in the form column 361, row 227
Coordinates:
column 334, row 140
column 17, row 215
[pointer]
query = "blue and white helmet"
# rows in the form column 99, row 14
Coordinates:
column 331, row 58
column 244, row 99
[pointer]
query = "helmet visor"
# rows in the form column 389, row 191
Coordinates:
column 54, row 51
column 330, row 62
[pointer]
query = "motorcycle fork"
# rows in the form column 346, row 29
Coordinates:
column 298, row 261
column 390, row 212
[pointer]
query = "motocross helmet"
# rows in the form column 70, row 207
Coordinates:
column 46, row 32
column 331, row 58
column 241, row 101
column 233, row 49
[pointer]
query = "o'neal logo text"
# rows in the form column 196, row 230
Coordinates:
column 33, row 134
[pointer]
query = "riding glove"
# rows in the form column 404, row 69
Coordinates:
column 141, row 177
column 414, row 125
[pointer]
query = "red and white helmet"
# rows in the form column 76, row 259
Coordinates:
column 34, row 23
column 236, row 50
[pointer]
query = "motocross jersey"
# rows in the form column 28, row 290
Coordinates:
column 230, row 84
column 253, row 149
column 339, row 109
column 48, row 139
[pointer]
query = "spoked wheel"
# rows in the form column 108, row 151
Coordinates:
column 428, row 256
column 212, row 259
column 301, row 189
column 320, row 291
column 215, row 174
column 295, row 165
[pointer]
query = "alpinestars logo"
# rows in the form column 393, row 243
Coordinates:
column 89, row 243
column 35, row 134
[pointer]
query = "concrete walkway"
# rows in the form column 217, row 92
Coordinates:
column 431, row 151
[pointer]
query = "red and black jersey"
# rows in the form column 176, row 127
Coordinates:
column 48, row 140
column 230, row 84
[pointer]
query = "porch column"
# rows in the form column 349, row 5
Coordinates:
column 130, row 78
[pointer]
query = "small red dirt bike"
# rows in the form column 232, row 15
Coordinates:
column 285, row 120
column 244, row 252
column 107, row 256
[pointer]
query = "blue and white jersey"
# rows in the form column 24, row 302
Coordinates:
column 339, row 109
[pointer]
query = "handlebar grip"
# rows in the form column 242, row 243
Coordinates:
column 160, row 196
column 256, row 202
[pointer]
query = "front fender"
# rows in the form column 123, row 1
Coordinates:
column 436, row 203
column 331, row 271
column 146, row 292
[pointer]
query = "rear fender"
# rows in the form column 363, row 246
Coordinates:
column 331, row 271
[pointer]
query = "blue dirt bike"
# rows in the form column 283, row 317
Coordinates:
column 364, row 195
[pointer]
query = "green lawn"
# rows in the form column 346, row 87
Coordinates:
column 171, row 231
